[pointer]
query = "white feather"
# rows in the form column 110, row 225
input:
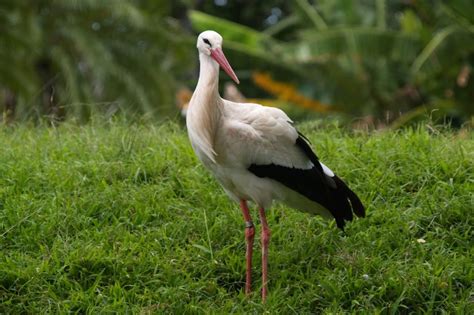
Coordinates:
column 327, row 170
column 255, row 134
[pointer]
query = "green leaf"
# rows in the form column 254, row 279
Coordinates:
column 204, row 249
column 232, row 32
column 336, row 42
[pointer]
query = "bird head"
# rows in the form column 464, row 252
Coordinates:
column 209, row 43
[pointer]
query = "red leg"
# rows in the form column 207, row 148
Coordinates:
column 249, row 236
column 265, row 241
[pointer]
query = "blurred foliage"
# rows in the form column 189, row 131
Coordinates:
column 287, row 92
column 378, row 58
column 72, row 58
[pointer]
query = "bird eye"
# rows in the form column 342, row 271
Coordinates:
column 207, row 42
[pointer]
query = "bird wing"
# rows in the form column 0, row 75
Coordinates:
column 261, row 135
column 266, row 142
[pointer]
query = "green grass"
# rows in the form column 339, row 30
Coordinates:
column 123, row 218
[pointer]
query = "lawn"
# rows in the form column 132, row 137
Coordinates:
column 113, row 217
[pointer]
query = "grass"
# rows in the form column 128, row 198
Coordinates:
column 122, row 218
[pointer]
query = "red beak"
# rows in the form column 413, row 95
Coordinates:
column 218, row 55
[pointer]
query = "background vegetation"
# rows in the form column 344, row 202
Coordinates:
column 374, row 59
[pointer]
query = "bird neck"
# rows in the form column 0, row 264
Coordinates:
column 208, row 82
column 206, row 98
column 205, row 107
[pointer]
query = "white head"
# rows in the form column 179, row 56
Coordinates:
column 207, row 40
column 209, row 43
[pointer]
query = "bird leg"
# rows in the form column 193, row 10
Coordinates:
column 265, row 240
column 249, row 236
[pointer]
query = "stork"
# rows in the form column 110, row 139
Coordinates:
column 257, row 155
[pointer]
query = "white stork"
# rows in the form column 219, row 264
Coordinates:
column 257, row 155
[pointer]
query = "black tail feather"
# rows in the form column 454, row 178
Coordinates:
column 340, row 207
column 356, row 204
column 342, row 201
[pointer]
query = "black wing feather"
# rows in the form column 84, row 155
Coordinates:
column 312, row 183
